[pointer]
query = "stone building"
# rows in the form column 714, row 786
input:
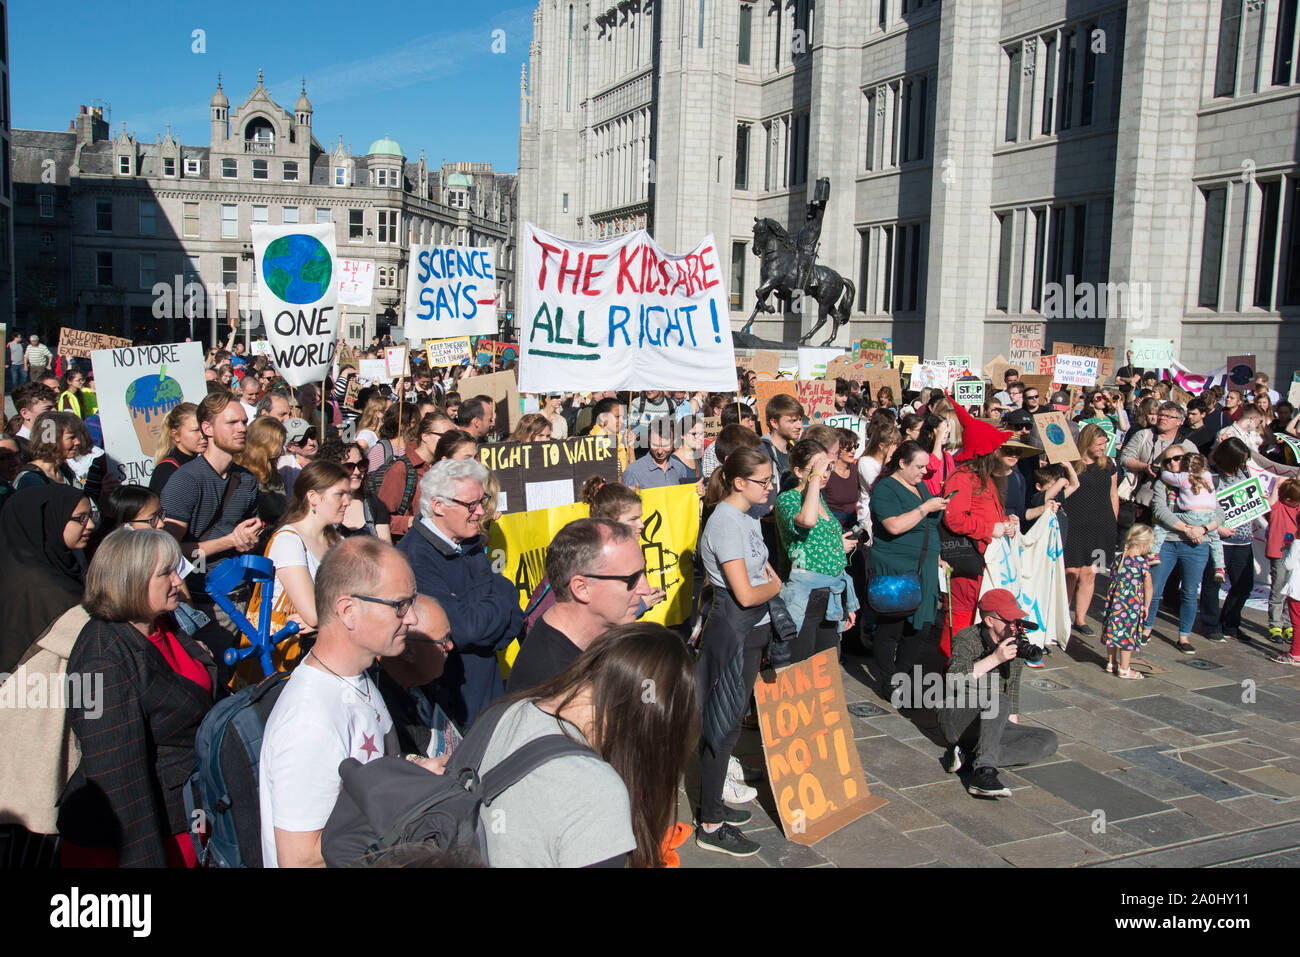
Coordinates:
column 106, row 221
column 1117, row 169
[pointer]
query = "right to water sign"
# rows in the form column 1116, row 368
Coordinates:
column 1242, row 502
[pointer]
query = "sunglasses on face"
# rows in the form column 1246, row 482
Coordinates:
column 1174, row 458
column 1031, row 395
column 354, row 466
column 630, row 580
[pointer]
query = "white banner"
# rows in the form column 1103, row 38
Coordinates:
column 812, row 361
column 298, row 297
column 1031, row 566
column 137, row 386
column 450, row 291
column 1076, row 370
column 622, row 314
column 356, row 281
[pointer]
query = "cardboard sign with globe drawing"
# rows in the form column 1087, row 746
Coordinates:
column 137, row 386
column 298, row 297
column 1057, row 442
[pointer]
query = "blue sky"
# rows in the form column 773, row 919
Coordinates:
column 423, row 73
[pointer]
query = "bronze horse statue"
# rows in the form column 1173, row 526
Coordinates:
column 785, row 270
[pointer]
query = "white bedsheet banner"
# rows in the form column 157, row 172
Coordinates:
column 1031, row 566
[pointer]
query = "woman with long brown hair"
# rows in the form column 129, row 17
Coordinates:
column 56, row 438
column 263, row 446
column 372, row 417
column 180, row 441
column 533, row 427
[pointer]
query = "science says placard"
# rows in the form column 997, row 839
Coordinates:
column 622, row 314
column 450, row 291
column 137, row 386
column 298, row 296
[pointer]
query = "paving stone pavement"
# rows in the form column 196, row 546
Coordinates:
column 1196, row 765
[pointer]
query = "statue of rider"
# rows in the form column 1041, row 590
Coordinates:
column 810, row 233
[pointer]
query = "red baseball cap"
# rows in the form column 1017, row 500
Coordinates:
column 1002, row 603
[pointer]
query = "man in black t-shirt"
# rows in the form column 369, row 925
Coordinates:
column 597, row 572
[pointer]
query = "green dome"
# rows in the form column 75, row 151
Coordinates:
column 457, row 179
column 385, row 147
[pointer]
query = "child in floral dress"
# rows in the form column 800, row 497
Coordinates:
column 1127, row 601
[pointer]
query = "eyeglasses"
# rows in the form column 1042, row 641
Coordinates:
column 1175, row 458
column 1168, row 415
column 630, row 580
column 444, row 644
column 86, row 518
column 1031, row 395
column 479, row 506
column 153, row 521
column 766, row 483
column 1098, row 398
column 400, row 607
column 354, row 466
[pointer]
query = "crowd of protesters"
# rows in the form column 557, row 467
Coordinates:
column 373, row 508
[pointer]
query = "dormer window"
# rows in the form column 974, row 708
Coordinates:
column 192, row 167
column 124, row 165
column 338, row 176
column 169, row 166
column 259, row 136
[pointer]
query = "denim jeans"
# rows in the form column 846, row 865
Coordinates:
column 1191, row 561
column 1239, row 571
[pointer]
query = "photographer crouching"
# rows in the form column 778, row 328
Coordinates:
column 980, row 718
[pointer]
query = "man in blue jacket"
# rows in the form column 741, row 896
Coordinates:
column 446, row 552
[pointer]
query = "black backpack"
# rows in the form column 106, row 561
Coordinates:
column 376, row 478
column 389, row 802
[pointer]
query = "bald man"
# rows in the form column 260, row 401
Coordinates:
column 403, row 680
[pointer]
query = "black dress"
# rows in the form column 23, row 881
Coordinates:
column 1091, row 519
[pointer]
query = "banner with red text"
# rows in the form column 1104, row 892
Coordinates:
column 622, row 314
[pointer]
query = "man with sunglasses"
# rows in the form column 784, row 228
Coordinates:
column 446, row 551
column 980, row 715
column 1143, row 451
column 597, row 572
column 330, row 709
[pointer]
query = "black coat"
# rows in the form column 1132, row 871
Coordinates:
column 136, row 756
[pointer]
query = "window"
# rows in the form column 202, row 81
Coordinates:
column 104, row 269
column 1271, row 192
column 1012, row 132
column 1049, row 85
column 568, row 67
column 148, row 270
column 1006, row 232
column 323, row 215
column 104, row 215
column 742, row 156
column 746, row 33
column 169, row 166
column 1089, row 75
column 260, row 217
column 1216, row 204
column 356, row 225
column 191, row 222
column 565, row 202
column 230, row 272
column 229, row 168
column 192, row 273
column 260, row 170
column 229, row 221
column 738, row 273
column 1291, row 294
column 290, row 171
column 339, row 179
column 388, row 226
column 1065, row 100
column 124, row 165
column 47, row 240
column 1284, row 46
column 47, row 207
column 1225, row 67
column 1040, row 252
column 192, row 167
column 907, row 259
column 1079, row 222
column 289, row 215
column 148, row 217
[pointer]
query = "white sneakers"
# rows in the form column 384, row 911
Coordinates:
column 734, row 789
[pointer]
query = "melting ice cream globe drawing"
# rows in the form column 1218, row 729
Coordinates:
column 148, row 400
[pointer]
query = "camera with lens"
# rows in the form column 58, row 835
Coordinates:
column 1027, row 650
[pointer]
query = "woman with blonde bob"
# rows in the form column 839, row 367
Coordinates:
column 263, row 446
column 180, row 441
column 125, row 806
column 533, row 427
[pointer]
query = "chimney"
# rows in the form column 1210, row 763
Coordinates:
column 90, row 126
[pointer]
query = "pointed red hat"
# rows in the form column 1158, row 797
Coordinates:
column 977, row 438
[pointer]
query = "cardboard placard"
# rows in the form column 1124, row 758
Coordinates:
column 489, row 349
column 995, row 370
column 1025, row 344
column 447, row 352
column 712, row 426
column 1047, row 367
column 373, row 370
column 839, row 368
column 1180, row 395
column 1151, row 353
column 1043, row 383
column 764, row 390
column 884, row 377
column 1242, row 502
column 745, row 363
column 346, row 356
column 538, row 475
column 904, row 364
column 817, row 398
column 397, row 361
column 1053, row 432
column 1241, row 371
column 855, row 424
column 503, row 389
column 1105, row 355
column 1293, row 396
column 812, row 763
column 79, row 344
column 1076, row 370
column 871, row 350
column 968, row 391
column 764, row 361
column 350, row 397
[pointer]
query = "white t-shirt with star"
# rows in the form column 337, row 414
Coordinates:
column 319, row 720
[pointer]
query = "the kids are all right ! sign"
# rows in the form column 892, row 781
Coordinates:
column 622, row 314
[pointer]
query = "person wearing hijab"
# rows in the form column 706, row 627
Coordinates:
column 41, row 538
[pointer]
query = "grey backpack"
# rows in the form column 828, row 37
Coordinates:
column 391, row 802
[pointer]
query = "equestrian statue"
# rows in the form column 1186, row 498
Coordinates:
column 790, row 269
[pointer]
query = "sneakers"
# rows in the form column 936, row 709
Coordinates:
column 1276, row 635
column 738, row 772
column 984, row 783
column 953, row 760
column 1033, row 664
column 1084, row 630
column 737, row 792
column 726, row 840
column 1285, row 658
column 1185, row 647
column 1215, row 637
